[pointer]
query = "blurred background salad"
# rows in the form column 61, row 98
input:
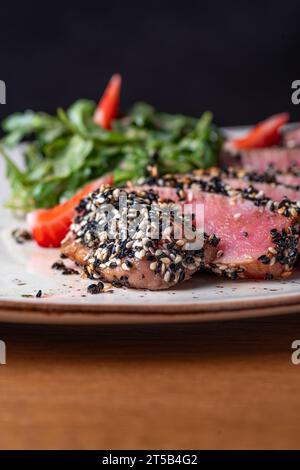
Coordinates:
column 65, row 151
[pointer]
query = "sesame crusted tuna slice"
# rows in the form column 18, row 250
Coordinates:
column 276, row 185
column 277, row 192
column 290, row 178
column 291, row 137
column 255, row 242
column 261, row 159
column 273, row 185
column 258, row 236
column 147, row 256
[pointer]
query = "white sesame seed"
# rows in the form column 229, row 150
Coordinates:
column 103, row 237
column 139, row 234
column 221, row 267
column 116, row 193
column 140, row 254
column 125, row 267
column 153, row 266
column 294, row 212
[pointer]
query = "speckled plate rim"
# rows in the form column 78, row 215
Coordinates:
column 28, row 316
column 245, row 304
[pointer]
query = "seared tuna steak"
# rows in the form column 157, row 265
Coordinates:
column 258, row 236
column 291, row 138
column 262, row 159
column 146, row 256
column 275, row 185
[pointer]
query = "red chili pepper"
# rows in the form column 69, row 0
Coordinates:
column 108, row 106
column 264, row 134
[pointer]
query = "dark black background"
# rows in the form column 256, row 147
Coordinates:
column 236, row 58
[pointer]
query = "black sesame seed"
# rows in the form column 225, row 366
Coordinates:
column 21, row 235
column 264, row 259
column 59, row 265
column 213, row 240
column 95, row 288
column 171, row 245
column 269, row 276
column 69, row 271
column 39, row 294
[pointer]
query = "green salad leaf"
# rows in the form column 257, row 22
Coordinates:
column 66, row 151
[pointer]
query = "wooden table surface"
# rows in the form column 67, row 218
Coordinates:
column 214, row 385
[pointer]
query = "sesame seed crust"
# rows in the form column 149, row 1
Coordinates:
column 213, row 183
column 167, row 259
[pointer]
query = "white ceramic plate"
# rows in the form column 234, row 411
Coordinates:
column 24, row 269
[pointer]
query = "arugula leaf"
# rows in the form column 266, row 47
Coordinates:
column 80, row 115
column 72, row 157
column 68, row 150
column 133, row 166
column 13, row 172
